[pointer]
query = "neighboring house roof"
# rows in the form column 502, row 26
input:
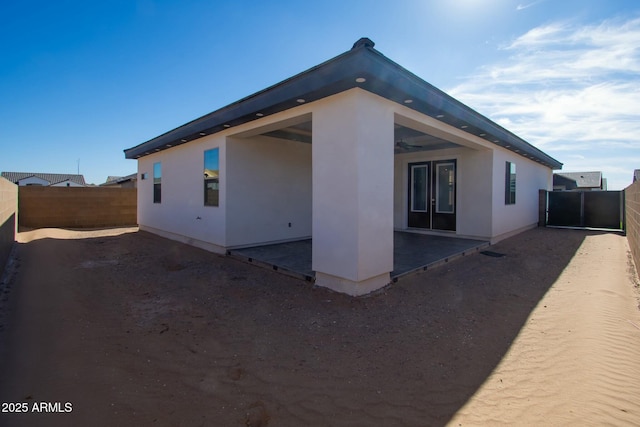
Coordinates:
column 112, row 180
column 52, row 178
column 362, row 67
column 213, row 174
column 581, row 179
column 636, row 175
column 117, row 179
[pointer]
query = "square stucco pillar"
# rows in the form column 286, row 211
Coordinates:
column 352, row 161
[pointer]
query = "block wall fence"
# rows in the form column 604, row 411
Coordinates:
column 110, row 207
column 77, row 207
column 8, row 219
column 632, row 216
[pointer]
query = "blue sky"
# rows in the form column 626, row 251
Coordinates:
column 83, row 80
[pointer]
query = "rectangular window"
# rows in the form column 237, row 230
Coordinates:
column 211, row 177
column 510, row 184
column 157, row 182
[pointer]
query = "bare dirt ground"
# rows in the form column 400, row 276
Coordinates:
column 119, row 327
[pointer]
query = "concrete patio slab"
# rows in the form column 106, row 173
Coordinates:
column 293, row 258
column 412, row 253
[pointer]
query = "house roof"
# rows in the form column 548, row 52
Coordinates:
column 53, row 178
column 363, row 67
column 119, row 179
column 583, row 179
column 111, row 178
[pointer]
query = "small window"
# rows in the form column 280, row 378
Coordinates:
column 143, row 176
column 510, row 184
column 211, row 177
column 157, row 182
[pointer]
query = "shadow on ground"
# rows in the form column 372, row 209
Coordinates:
column 139, row 330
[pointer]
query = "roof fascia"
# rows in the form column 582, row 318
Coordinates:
column 323, row 80
column 382, row 77
column 404, row 85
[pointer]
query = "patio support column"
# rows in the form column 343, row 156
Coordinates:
column 352, row 160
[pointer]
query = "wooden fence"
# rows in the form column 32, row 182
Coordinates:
column 76, row 207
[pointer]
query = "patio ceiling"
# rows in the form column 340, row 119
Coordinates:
column 406, row 140
column 409, row 140
column 300, row 132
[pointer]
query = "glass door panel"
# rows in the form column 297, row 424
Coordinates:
column 445, row 187
column 432, row 195
column 419, row 186
column 418, row 209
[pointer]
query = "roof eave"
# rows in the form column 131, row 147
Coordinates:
column 382, row 77
column 331, row 77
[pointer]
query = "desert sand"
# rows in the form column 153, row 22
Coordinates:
column 576, row 361
column 120, row 327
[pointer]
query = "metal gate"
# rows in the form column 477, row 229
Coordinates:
column 593, row 209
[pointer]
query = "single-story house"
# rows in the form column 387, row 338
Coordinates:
column 580, row 181
column 45, row 179
column 345, row 153
column 129, row 181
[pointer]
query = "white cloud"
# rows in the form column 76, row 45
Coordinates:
column 570, row 90
column 528, row 5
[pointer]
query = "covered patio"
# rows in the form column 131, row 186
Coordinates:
column 412, row 253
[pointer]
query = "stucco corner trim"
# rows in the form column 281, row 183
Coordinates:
column 351, row 287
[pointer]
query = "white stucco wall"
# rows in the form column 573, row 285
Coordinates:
column 480, row 209
column 475, row 197
column 268, row 188
column 353, row 192
column 473, row 188
column 182, row 215
column 530, row 177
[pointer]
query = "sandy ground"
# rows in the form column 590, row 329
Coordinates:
column 119, row 327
